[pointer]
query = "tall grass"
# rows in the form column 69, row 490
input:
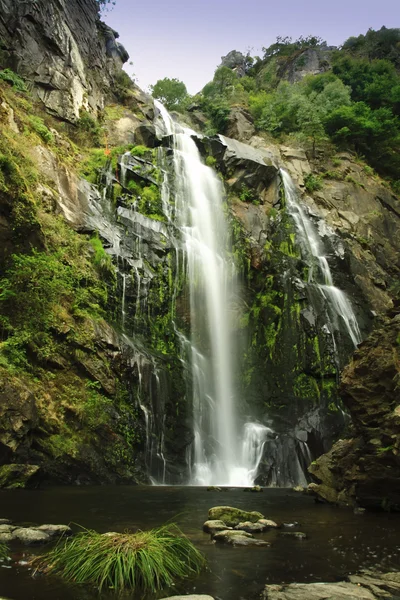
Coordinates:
column 146, row 560
column 3, row 550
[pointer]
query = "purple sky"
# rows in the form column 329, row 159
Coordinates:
column 186, row 38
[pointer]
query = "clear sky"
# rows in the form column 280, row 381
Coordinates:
column 186, row 38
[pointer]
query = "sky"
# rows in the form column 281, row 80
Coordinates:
column 186, row 38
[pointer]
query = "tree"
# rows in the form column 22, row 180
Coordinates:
column 171, row 92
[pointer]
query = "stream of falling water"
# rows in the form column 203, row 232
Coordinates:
column 339, row 306
column 225, row 452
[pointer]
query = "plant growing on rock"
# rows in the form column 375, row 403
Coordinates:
column 145, row 560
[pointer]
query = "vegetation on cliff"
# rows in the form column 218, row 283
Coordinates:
column 354, row 102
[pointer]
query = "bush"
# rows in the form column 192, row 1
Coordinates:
column 146, row 560
column 312, row 183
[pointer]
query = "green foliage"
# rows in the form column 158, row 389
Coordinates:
column 3, row 551
column 89, row 130
column 285, row 46
column 147, row 560
column 312, row 183
column 41, row 129
column 171, row 92
column 101, row 259
column 15, row 80
column 211, row 161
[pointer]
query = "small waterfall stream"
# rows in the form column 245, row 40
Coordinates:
column 320, row 276
column 225, row 451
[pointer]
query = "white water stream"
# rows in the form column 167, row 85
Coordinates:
column 339, row 306
column 225, row 451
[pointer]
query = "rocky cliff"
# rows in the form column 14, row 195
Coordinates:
column 69, row 57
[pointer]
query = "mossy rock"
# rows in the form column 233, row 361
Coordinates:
column 233, row 516
column 18, row 476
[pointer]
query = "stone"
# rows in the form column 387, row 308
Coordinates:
column 5, row 522
column 215, row 526
column 299, row 535
column 232, row 516
column 7, row 536
column 238, row 538
column 268, row 524
column 7, row 528
column 240, row 125
column 55, row 530
column 30, row 536
column 251, row 527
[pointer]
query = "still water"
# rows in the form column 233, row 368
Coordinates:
column 338, row 543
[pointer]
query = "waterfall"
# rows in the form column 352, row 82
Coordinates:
column 225, row 451
column 320, row 276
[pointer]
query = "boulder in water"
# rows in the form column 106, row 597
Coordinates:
column 215, row 526
column 233, row 516
column 30, row 536
column 268, row 524
column 238, row 538
column 299, row 535
column 250, row 527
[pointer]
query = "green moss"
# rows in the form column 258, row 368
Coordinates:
column 40, row 128
column 233, row 516
column 13, row 79
column 211, row 161
column 306, row 386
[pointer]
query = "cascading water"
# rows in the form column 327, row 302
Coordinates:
column 320, row 276
column 218, row 458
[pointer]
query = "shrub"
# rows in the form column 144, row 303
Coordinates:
column 211, row 161
column 146, row 560
column 312, row 183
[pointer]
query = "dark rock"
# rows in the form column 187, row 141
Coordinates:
column 15, row 476
column 145, row 134
column 366, row 469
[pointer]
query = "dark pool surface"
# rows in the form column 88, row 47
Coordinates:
column 338, row 543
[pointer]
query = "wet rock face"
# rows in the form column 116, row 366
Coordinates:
column 62, row 48
column 366, row 468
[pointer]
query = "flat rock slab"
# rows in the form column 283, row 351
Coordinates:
column 238, row 538
column 364, row 586
column 55, row 530
column 233, row 516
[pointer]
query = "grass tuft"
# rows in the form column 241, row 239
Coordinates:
column 3, row 551
column 145, row 560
